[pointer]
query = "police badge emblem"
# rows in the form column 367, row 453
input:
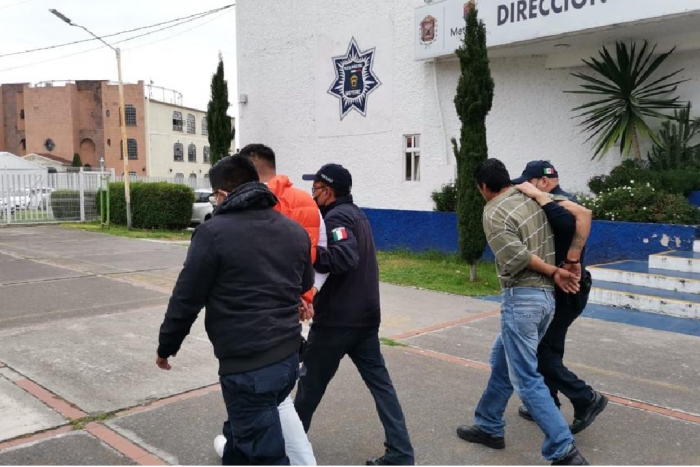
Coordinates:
column 354, row 79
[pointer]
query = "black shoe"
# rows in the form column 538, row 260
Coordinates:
column 584, row 420
column 523, row 412
column 573, row 458
column 474, row 434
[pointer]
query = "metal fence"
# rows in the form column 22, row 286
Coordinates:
column 43, row 197
column 63, row 197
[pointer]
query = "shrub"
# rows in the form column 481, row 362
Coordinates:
column 446, row 198
column 153, row 205
column 65, row 204
column 642, row 203
column 678, row 181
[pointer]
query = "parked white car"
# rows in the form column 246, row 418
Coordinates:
column 202, row 207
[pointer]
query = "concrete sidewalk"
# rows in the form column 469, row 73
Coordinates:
column 79, row 317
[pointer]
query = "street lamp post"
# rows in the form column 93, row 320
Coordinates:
column 122, row 114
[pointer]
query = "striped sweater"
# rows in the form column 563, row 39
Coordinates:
column 517, row 228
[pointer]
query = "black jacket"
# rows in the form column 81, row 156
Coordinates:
column 350, row 296
column 249, row 266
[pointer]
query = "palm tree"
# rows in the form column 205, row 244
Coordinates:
column 626, row 97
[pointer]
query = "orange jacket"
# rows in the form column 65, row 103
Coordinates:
column 299, row 206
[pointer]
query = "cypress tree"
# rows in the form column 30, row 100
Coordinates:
column 473, row 103
column 76, row 160
column 221, row 132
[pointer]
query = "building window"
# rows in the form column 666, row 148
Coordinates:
column 191, row 124
column 132, row 149
column 193, row 176
column 192, row 153
column 49, row 144
column 23, row 144
column 179, row 178
column 411, row 149
column 107, row 113
column 205, row 126
column 132, row 174
column 177, row 121
column 178, row 152
column 21, row 114
column 207, row 158
column 130, row 115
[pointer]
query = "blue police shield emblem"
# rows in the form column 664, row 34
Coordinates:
column 354, row 79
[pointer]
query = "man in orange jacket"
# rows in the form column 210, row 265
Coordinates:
column 299, row 206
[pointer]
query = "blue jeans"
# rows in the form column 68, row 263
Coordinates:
column 525, row 315
column 253, row 431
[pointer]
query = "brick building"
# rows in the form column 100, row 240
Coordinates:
column 80, row 117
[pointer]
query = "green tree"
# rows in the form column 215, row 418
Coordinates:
column 221, row 131
column 473, row 103
column 76, row 161
column 625, row 97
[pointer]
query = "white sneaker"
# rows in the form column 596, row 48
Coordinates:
column 219, row 444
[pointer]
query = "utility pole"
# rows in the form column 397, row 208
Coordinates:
column 122, row 114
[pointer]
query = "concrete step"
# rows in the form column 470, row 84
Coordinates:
column 665, row 302
column 639, row 273
column 680, row 261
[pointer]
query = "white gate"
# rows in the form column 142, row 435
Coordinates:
column 43, row 197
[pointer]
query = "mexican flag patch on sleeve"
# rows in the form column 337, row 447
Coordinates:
column 340, row 234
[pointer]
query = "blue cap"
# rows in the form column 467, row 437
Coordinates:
column 537, row 169
column 333, row 175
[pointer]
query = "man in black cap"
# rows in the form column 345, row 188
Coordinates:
column 540, row 181
column 348, row 314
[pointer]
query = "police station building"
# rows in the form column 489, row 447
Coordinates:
column 370, row 84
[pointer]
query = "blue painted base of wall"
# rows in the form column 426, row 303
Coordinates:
column 694, row 198
column 609, row 241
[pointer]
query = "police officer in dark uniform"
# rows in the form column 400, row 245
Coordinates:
column 348, row 314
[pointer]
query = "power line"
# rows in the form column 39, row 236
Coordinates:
column 176, row 34
column 194, row 16
column 15, row 4
column 201, row 15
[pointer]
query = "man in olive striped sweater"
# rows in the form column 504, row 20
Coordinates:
column 521, row 238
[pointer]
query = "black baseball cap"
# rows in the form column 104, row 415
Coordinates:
column 536, row 169
column 334, row 175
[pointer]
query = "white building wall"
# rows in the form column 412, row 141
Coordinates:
column 285, row 67
column 161, row 138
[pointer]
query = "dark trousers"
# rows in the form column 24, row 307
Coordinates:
column 326, row 348
column 253, row 431
column 550, row 356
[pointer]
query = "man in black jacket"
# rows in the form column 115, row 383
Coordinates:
column 248, row 266
column 571, row 224
column 348, row 314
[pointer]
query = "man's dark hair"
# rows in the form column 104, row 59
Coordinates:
column 231, row 172
column 259, row 151
column 493, row 174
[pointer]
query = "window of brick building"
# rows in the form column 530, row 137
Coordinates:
column 130, row 115
column 132, row 149
column 207, row 157
column 192, row 153
column 21, row 114
column 177, row 121
column 178, row 152
column 191, row 124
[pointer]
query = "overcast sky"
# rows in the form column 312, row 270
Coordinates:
column 184, row 62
